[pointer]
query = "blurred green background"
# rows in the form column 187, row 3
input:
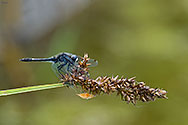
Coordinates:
column 142, row 38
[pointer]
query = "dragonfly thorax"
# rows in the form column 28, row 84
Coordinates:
column 65, row 63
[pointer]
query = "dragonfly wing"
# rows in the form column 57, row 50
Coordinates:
column 91, row 62
column 59, row 72
column 61, row 69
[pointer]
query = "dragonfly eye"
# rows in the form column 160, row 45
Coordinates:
column 74, row 58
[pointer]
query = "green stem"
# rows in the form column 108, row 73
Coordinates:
column 30, row 89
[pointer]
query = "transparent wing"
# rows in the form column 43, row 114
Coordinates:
column 58, row 73
column 91, row 62
column 60, row 69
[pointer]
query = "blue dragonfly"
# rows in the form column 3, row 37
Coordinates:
column 63, row 63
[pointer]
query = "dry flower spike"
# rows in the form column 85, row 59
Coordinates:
column 130, row 90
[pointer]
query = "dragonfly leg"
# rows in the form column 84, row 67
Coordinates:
column 59, row 69
column 62, row 76
column 61, row 66
column 68, row 68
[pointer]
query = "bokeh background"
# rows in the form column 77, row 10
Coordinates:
column 143, row 38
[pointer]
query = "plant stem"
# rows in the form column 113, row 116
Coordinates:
column 30, row 89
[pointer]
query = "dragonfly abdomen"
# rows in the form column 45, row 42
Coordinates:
column 37, row 60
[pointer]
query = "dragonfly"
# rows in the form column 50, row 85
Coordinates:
column 66, row 63
column 63, row 63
